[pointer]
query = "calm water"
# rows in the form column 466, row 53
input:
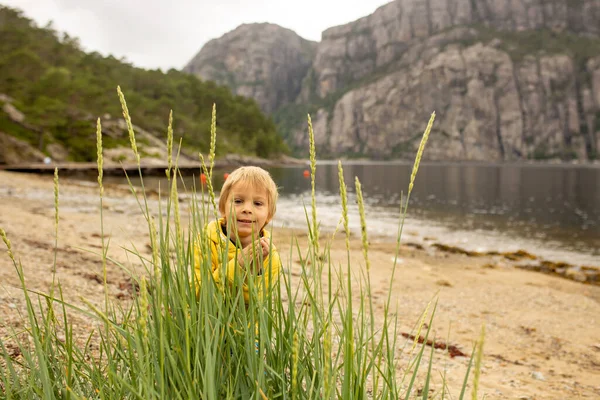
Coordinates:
column 549, row 209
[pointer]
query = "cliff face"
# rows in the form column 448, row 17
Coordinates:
column 509, row 80
column 262, row 61
column 490, row 105
column 357, row 49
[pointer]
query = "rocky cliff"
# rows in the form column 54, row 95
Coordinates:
column 508, row 80
column 262, row 61
column 492, row 104
column 357, row 49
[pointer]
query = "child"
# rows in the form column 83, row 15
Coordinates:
column 247, row 204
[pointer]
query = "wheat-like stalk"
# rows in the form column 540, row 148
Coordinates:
column 98, row 312
column 213, row 139
column 424, row 139
column 363, row 222
column 478, row 361
column 344, row 198
column 420, row 328
column 56, row 201
column 100, row 159
column 175, row 202
column 8, row 244
column 313, row 169
column 326, row 369
column 143, row 318
column 100, row 163
column 209, row 185
column 170, row 145
column 56, row 218
column 129, row 125
column 155, row 249
column 294, row 364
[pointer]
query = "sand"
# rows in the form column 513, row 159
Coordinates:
column 542, row 332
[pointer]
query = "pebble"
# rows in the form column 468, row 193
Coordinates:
column 538, row 375
column 575, row 275
column 12, row 305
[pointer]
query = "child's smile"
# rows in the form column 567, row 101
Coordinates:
column 248, row 208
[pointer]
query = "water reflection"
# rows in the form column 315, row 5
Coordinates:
column 554, row 203
column 552, row 196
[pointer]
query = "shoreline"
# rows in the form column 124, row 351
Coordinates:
column 156, row 167
column 477, row 233
column 521, row 257
column 564, row 263
column 149, row 167
column 541, row 330
column 532, row 163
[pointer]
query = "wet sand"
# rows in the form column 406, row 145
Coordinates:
column 542, row 331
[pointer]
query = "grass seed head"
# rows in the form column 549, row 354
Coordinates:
column 424, row 139
column 129, row 125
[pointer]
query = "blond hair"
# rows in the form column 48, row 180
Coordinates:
column 254, row 176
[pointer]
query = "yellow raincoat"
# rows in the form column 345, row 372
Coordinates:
column 218, row 241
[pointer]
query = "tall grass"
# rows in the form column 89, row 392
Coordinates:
column 315, row 336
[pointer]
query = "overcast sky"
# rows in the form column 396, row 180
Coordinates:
column 156, row 34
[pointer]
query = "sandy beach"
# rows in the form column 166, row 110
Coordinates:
column 542, row 332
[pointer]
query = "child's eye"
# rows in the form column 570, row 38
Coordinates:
column 258, row 203
column 238, row 201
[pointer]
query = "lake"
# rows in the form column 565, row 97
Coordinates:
column 550, row 210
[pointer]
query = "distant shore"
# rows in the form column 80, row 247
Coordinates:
column 149, row 166
column 549, row 163
column 152, row 167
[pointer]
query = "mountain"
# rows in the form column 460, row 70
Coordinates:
column 51, row 93
column 263, row 61
column 508, row 80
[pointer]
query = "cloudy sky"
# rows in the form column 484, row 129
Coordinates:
column 156, row 34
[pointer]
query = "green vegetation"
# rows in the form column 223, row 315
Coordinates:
column 61, row 90
column 291, row 117
column 406, row 147
column 533, row 42
column 313, row 338
column 16, row 130
column 541, row 152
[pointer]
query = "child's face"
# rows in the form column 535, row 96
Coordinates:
column 248, row 208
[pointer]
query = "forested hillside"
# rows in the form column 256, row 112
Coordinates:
column 60, row 90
